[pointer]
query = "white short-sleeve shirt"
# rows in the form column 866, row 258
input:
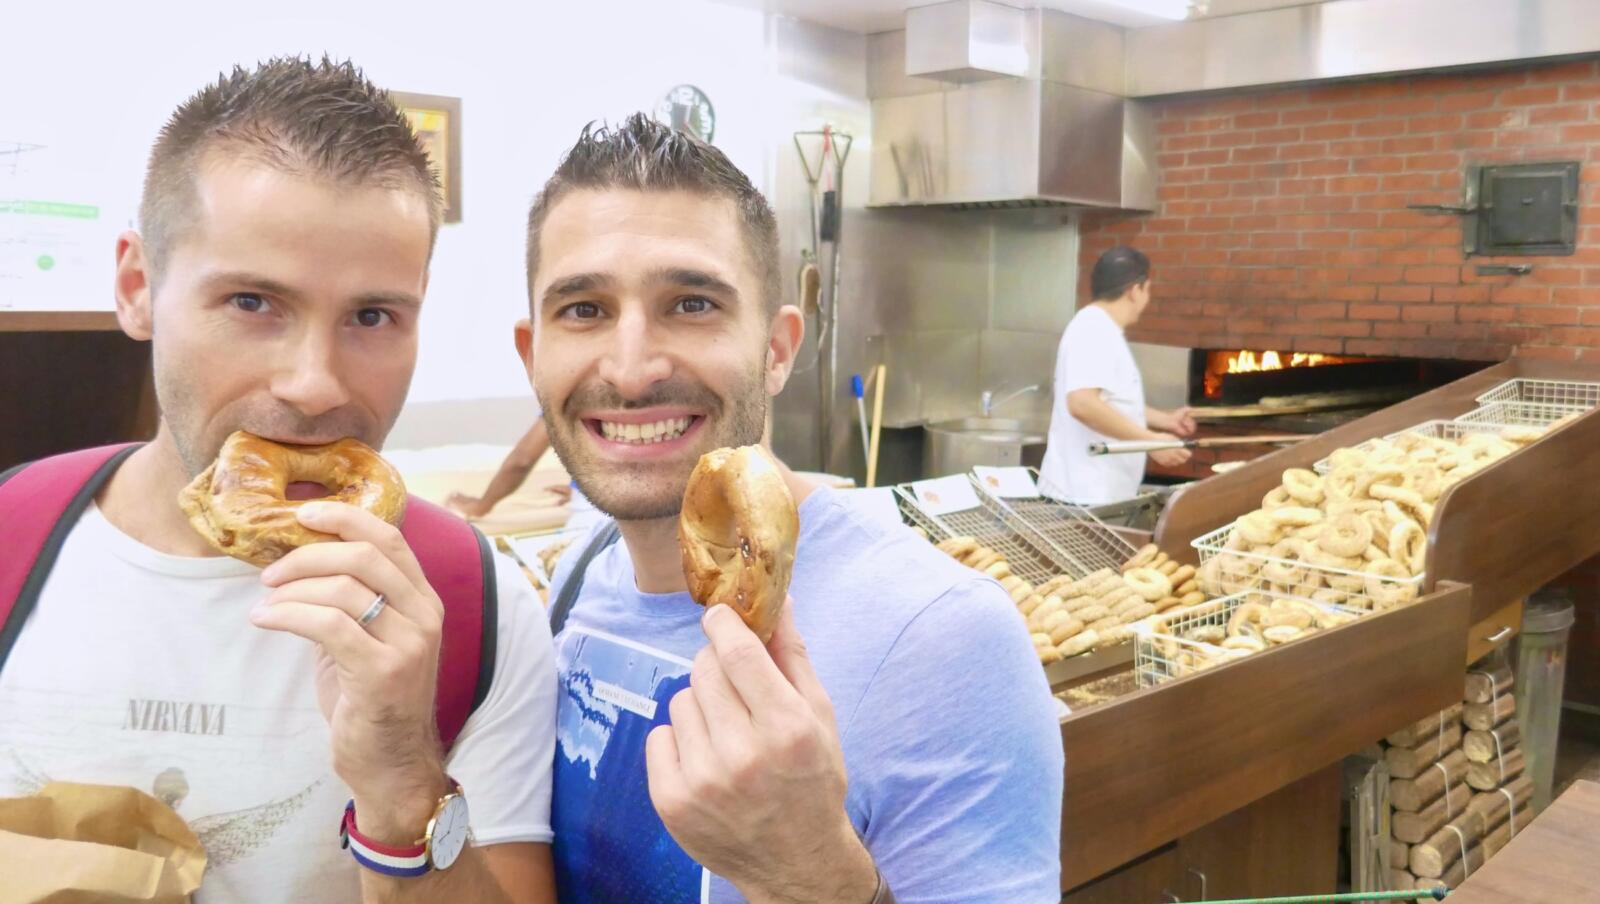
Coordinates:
column 1093, row 354
column 142, row 669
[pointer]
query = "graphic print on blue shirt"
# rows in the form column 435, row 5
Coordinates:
column 609, row 843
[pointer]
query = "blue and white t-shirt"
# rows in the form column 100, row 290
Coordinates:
column 950, row 736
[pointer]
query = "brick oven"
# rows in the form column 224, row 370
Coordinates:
column 1284, row 224
column 1248, row 391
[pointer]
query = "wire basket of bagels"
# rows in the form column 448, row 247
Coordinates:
column 1068, row 616
column 1523, row 416
column 1446, row 445
column 1355, row 537
column 1216, row 632
column 1570, row 393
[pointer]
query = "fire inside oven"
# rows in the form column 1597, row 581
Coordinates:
column 1223, row 369
column 1247, row 376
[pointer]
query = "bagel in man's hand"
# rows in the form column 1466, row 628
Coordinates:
column 737, row 531
column 239, row 505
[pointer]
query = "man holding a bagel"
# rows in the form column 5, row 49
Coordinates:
column 895, row 739
column 288, row 715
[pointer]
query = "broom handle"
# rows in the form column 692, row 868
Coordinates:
column 877, row 424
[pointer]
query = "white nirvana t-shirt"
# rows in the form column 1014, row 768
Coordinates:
column 142, row 669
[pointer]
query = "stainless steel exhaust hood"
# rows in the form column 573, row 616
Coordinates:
column 977, row 104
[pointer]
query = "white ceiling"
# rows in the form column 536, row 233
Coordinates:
column 869, row 16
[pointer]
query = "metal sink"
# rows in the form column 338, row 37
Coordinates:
column 953, row 447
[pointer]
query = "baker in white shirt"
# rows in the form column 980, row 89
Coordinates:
column 1099, row 396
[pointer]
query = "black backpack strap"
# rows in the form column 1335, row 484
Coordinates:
column 13, row 471
column 490, row 644
column 568, row 595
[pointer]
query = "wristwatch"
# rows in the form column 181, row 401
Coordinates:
column 441, row 843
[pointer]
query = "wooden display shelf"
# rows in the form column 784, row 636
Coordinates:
column 1507, row 530
column 1497, row 631
column 1163, row 762
column 1149, row 770
column 1290, row 846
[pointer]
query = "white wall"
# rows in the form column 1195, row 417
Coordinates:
column 97, row 80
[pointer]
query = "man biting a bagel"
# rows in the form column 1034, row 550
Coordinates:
column 895, row 739
column 288, row 219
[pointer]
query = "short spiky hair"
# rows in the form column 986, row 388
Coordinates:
column 322, row 119
column 645, row 155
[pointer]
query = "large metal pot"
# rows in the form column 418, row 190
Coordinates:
column 953, row 447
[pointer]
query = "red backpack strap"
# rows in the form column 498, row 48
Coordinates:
column 39, row 505
column 459, row 564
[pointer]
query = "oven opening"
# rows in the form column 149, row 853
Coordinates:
column 1314, row 381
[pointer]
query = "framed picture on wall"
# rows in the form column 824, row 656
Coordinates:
column 437, row 122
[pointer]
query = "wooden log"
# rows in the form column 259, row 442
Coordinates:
column 1409, row 762
column 1484, row 716
column 1483, row 746
column 1400, row 879
column 1501, row 835
column 1489, row 776
column 1426, row 727
column 1431, row 858
column 1399, row 854
column 1456, row 874
column 1477, row 854
column 1484, row 686
column 1412, row 794
column 1415, row 827
column 1431, row 884
column 1493, row 805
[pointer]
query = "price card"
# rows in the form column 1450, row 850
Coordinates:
column 1007, row 483
column 944, row 495
column 877, row 505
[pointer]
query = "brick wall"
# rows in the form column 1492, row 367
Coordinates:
column 1281, row 221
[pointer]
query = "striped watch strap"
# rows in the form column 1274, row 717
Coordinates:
column 401, row 862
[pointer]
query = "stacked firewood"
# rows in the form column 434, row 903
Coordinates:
column 1457, row 786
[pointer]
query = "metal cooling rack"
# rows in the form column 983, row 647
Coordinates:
column 1570, row 393
column 1078, row 542
column 988, row 528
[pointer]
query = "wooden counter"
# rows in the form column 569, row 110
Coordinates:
column 1145, row 769
column 1149, row 773
column 1553, row 861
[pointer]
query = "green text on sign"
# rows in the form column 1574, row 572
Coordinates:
column 51, row 209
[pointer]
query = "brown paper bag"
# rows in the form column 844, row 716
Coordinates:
column 77, row 844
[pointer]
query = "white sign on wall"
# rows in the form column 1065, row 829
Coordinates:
column 56, row 237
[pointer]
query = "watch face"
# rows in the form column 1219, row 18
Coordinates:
column 447, row 837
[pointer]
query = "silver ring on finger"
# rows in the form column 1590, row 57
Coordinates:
column 373, row 610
